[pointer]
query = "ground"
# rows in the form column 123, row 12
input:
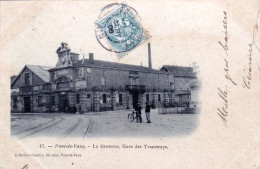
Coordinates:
column 101, row 124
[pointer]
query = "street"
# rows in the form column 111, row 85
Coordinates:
column 100, row 124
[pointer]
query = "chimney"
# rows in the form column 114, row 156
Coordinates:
column 91, row 58
column 149, row 56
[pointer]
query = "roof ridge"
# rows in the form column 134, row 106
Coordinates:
column 42, row 68
column 100, row 61
column 178, row 66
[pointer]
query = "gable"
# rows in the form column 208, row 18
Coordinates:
column 33, row 79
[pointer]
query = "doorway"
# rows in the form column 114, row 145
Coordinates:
column 63, row 103
column 27, row 104
column 135, row 99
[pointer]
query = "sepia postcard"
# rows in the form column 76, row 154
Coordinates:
column 134, row 84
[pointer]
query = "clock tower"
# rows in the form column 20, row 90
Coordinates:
column 64, row 58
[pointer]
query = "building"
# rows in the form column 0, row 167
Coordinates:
column 88, row 84
column 183, row 78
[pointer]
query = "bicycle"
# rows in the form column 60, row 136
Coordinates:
column 133, row 115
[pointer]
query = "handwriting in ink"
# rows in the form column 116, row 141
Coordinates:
column 25, row 167
column 223, row 111
column 225, row 47
column 246, row 78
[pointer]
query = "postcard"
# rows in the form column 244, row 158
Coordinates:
column 130, row 84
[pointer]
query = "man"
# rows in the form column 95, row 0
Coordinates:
column 147, row 112
column 138, row 113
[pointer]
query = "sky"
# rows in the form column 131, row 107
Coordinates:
column 181, row 31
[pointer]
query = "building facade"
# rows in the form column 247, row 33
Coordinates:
column 184, row 77
column 88, row 85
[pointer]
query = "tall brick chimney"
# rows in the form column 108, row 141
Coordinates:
column 91, row 58
column 149, row 56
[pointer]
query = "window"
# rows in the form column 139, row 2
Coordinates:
column 120, row 99
column 76, row 73
column 15, row 102
column 134, row 81
column 77, row 98
column 158, row 83
column 147, row 97
column 119, row 81
column 165, row 97
column 27, row 78
column 170, row 98
column 104, row 98
column 148, row 79
column 159, row 97
column 88, row 81
column 39, row 101
column 172, row 86
column 103, row 81
column 52, row 100
column 52, row 76
column 88, row 96
column 168, row 83
column 63, row 85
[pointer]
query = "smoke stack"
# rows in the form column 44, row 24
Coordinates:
column 91, row 58
column 149, row 56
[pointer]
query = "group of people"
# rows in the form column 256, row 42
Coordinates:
column 138, row 110
column 74, row 110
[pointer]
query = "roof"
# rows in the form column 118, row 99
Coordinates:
column 180, row 71
column 121, row 66
column 13, row 78
column 40, row 71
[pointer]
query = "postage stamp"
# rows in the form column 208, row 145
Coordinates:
column 118, row 29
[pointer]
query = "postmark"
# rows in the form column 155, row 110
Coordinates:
column 118, row 29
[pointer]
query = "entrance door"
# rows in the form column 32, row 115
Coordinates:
column 27, row 104
column 63, row 103
column 135, row 99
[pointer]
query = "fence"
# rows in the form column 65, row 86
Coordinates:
column 172, row 108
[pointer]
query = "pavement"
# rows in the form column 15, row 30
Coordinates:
column 100, row 124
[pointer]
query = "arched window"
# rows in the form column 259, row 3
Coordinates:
column 62, row 83
column 103, row 81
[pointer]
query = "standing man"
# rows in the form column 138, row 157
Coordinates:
column 138, row 113
column 147, row 112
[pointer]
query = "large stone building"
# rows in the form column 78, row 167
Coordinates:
column 88, row 84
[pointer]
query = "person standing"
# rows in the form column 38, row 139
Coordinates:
column 74, row 109
column 138, row 113
column 147, row 112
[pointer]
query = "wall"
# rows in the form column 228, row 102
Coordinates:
column 182, row 83
column 195, row 102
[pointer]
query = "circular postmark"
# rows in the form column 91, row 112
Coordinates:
column 118, row 29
